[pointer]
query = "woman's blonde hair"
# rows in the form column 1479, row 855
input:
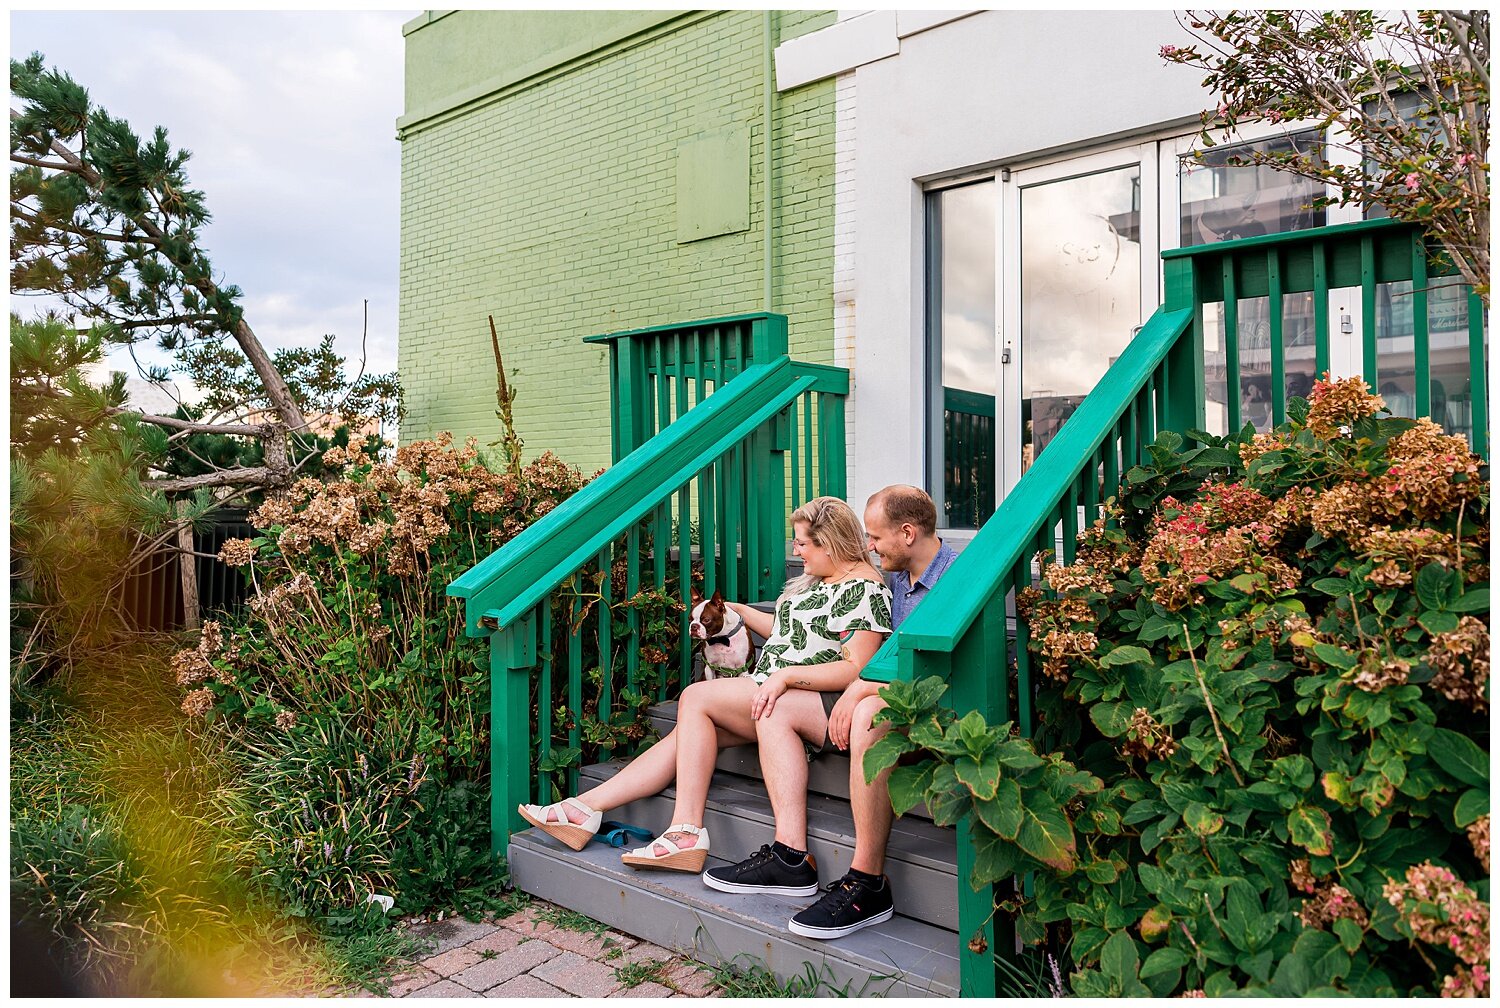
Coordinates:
column 833, row 525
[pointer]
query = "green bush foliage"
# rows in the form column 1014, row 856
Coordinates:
column 1266, row 689
column 359, row 708
column 358, row 705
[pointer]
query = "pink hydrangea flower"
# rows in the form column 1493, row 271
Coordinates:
column 1412, row 181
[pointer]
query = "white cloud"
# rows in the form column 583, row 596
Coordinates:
column 291, row 121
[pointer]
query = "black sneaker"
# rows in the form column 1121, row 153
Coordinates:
column 764, row 872
column 848, row 905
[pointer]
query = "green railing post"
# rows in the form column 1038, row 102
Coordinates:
column 512, row 655
column 629, row 398
column 768, row 338
column 1187, row 407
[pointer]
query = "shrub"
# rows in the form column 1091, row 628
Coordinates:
column 358, row 705
column 1266, row 676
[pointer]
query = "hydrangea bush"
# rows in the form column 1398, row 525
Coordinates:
column 359, row 708
column 1265, row 682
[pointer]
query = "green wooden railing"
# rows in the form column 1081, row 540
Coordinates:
column 1262, row 287
column 963, row 631
column 708, row 485
column 968, row 457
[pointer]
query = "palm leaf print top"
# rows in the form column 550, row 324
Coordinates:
column 812, row 628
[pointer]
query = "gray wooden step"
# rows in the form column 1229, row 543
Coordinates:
column 900, row 958
column 920, row 857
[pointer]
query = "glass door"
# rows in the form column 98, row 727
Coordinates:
column 961, row 354
column 1078, row 279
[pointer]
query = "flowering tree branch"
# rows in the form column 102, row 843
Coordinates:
column 1407, row 97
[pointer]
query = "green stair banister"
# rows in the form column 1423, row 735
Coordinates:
column 962, row 631
column 711, row 481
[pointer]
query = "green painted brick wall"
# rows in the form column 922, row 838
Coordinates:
column 553, row 207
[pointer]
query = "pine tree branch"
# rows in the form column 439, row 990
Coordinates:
column 165, row 321
column 259, row 475
column 271, row 380
column 37, row 162
column 193, row 427
column 69, row 227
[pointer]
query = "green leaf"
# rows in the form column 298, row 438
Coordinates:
column 908, row 785
column 1292, row 978
column 1152, row 877
column 1101, row 872
column 1349, row 933
column 1472, row 601
column 1163, row 960
column 1112, row 719
column 1332, row 654
column 1471, row 805
column 994, row 860
column 1119, row 959
column 981, row 778
column 1047, row 835
column 1436, row 622
column 1460, row 757
column 1325, row 957
column 885, row 752
column 1331, row 586
column 1202, row 820
column 1127, row 654
column 1438, row 587
column 1018, row 755
column 947, row 800
column 1003, row 813
column 1311, row 829
column 1243, row 914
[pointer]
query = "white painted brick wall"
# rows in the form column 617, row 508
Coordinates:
column 844, row 218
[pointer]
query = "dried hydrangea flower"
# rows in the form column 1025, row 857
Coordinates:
column 237, row 552
column 1478, row 832
column 198, row 702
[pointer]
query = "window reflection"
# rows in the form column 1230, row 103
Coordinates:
column 961, row 320
column 1222, row 200
column 1080, row 292
column 1451, row 392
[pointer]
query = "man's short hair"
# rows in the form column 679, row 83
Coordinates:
column 907, row 505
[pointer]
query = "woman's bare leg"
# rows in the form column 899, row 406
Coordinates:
column 646, row 775
column 708, row 713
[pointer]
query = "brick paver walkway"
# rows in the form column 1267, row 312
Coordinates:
column 527, row 955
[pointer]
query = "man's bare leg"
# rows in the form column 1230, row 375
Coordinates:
column 870, row 803
column 798, row 716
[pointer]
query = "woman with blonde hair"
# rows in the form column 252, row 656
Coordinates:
column 828, row 623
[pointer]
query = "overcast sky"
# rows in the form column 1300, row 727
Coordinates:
column 291, row 120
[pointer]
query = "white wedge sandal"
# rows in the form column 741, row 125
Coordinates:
column 553, row 820
column 664, row 853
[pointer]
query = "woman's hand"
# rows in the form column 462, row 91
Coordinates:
column 763, row 701
column 841, row 718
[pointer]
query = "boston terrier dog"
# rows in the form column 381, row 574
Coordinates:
column 726, row 641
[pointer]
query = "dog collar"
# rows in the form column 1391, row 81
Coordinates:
column 723, row 638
